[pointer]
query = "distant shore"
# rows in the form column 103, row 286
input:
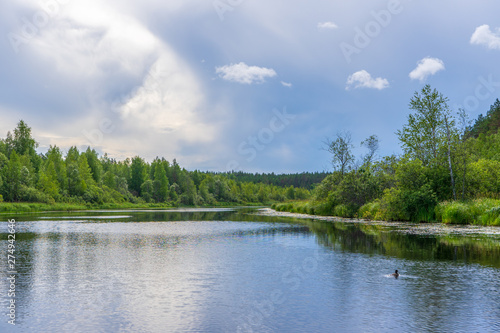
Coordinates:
column 27, row 207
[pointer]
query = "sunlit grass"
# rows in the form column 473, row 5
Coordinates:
column 478, row 211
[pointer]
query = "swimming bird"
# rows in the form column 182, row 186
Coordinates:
column 395, row 274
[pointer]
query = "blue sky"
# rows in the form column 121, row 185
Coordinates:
column 238, row 84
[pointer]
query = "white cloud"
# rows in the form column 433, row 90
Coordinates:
column 484, row 36
column 327, row 25
column 426, row 67
column 286, row 84
column 363, row 79
column 242, row 73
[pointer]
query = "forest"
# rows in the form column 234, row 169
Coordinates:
column 449, row 170
column 85, row 178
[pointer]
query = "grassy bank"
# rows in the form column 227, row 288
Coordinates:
column 8, row 207
column 484, row 212
column 29, row 207
column 478, row 212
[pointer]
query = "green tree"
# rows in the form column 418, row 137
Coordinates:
column 341, row 149
column 23, row 142
column 76, row 184
column 372, row 144
column 430, row 132
column 55, row 156
column 160, row 184
column 109, row 179
column 263, row 194
column 147, row 190
column 85, row 172
column 47, row 181
column 94, row 164
column 425, row 133
column 13, row 178
column 137, row 175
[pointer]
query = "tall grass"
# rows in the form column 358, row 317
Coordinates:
column 322, row 208
column 478, row 211
column 14, row 207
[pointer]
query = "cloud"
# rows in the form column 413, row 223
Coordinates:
column 484, row 36
column 363, row 79
column 145, row 94
column 286, row 84
column 327, row 25
column 426, row 67
column 242, row 73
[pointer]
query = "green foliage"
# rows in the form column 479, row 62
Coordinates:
column 341, row 150
column 30, row 194
column 344, row 211
column 160, row 183
column 488, row 124
column 84, row 178
column 303, row 180
column 478, row 211
column 371, row 211
column 94, row 164
column 454, row 212
column 484, row 178
column 12, row 176
column 423, row 137
column 47, row 181
column 491, row 216
column 137, row 175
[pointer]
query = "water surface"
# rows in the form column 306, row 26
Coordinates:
column 223, row 270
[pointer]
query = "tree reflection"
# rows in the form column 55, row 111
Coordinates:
column 377, row 239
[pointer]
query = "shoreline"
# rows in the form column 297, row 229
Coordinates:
column 406, row 227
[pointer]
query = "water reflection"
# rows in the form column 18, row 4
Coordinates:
column 383, row 240
column 217, row 271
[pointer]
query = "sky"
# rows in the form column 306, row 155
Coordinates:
column 248, row 85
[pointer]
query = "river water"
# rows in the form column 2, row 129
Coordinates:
column 224, row 270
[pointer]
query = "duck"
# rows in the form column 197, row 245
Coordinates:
column 395, row 274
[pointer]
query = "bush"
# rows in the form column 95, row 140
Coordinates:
column 324, row 208
column 491, row 216
column 391, row 206
column 93, row 194
column 31, row 194
column 455, row 212
column 112, row 196
column 478, row 211
column 371, row 210
column 342, row 211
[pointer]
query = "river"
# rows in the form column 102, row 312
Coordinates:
column 228, row 270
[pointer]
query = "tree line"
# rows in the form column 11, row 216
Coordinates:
column 85, row 177
column 449, row 169
column 305, row 180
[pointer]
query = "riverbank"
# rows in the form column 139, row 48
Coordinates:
column 482, row 211
column 406, row 227
column 27, row 207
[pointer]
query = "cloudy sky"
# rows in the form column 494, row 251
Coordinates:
column 248, row 85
